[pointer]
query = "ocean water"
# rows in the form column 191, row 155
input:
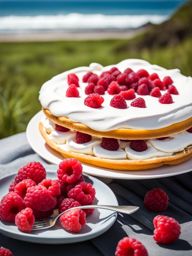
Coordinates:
column 76, row 15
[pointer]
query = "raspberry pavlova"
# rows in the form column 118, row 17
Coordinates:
column 129, row 116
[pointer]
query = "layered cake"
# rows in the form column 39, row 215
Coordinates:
column 128, row 116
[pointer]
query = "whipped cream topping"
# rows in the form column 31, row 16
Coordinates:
column 155, row 116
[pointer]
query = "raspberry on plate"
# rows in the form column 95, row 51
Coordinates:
column 121, row 79
column 93, row 79
column 105, row 80
column 138, row 103
column 10, row 205
column 94, row 100
column 128, row 246
column 81, row 138
column 86, row 76
column 166, row 98
column 138, row 145
column 143, row 89
column 128, row 71
column 60, row 128
column 52, row 185
column 118, row 102
column 5, row 252
column 167, row 229
column 128, row 95
column 21, row 187
column 153, row 76
column 189, row 130
column 113, row 88
column 173, row 90
column 155, row 92
column 132, row 78
column 156, row 200
column 69, row 171
column 142, row 73
column 99, row 89
column 12, row 186
column 33, row 170
column 167, row 80
column 84, row 193
column 68, row 203
column 39, row 198
column 89, row 88
column 159, row 83
column 73, row 220
column 110, row 144
column 25, row 219
column 72, row 78
column 72, row 91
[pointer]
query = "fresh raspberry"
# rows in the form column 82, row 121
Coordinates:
column 72, row 91
column 40, row 215
column 65, row 187
column 86, row 77
column 105, row 81
column 113, row 69
column 113, row 88
column 81, row 138
column 167, row 229
column 73, row 79
column 156, row 200
column 132, row 78
column 143, row 89
column 128, row 95
column 142, row 73
column 110, row 144
column 105, row 73
column 60, row 128
column 143, row 80
column 39, row 198
column 163, row 138
column 33, row 170
column 116, row 74
column 173, row 90
column 159, row 83
column 69, row 171
column 52, row 185
column 93, row 79
column 118, row 102
column 138, row 145
column 25, row 219
column 138, row 103
column 5, row 252
column 99, row 89
column 94, row 100
column 89, row 88
column 12, row 186
column 167, row 80
column 128, row 246
column 124, row 87
column 134, row 86
column 155, row 92
column 189, row 130
column 128, row 71
column 68, row 203
column 153, row 76
column 121, row 79
column 73, row 220
column 10, row 205
column 22, row 186
column 84, row 193
column 166, row 98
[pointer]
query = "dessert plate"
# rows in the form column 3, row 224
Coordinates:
column 57, row 235
column 39, row 146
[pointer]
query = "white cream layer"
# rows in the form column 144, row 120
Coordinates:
column 155, row 116
column 85, row 148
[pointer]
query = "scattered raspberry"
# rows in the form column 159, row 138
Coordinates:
column 132, row 78
column 172, row 90
column 60, row 128
column 72, row 91
column 116, row 74
column 12, row 186
column 68, row 203
column 156, row 200
column 124, row 87
column 39, row 198
column 81, row 138
column 121, row 79
column 89, row 88
column 105, row 73
column 159, row 83
column 52, row 185
column 33, row 170
column 24, row 220
column 189, row 130
column 65, row 187
column 84, row 193
column 155, row 92
column 167, row 80
column 143, row 80
column 153, row 76
column 128, row 71
column 138, row 103
column 128, row 95
column 113, row 70
column 73, row 220
column 167, row 229
column 5, row 252
column 94, row 100
column 110, row 144
column 142, row 73
column 166, row 98
column 138, row 145
column 70, row 171
column 105, row 81
column 134, row 86
column 10, row 205
column 22, row 186
column 130, row 247
column 93, row 79
column 73, row 79
column 86, row 77
column 143, row 89
column 99, row 89
column 118, row 102
column 113, row 88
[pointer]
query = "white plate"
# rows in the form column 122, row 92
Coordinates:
column 97, row 223
column 38, row 144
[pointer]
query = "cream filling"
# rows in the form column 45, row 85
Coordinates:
column 60, row 137
column 100, row 152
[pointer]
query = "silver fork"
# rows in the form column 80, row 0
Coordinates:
column 50, row 222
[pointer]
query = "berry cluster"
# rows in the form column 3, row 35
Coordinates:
column 33, row 196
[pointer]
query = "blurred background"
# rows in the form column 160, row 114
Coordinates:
column 40, row 38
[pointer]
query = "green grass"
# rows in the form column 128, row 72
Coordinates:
column 25, row 66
